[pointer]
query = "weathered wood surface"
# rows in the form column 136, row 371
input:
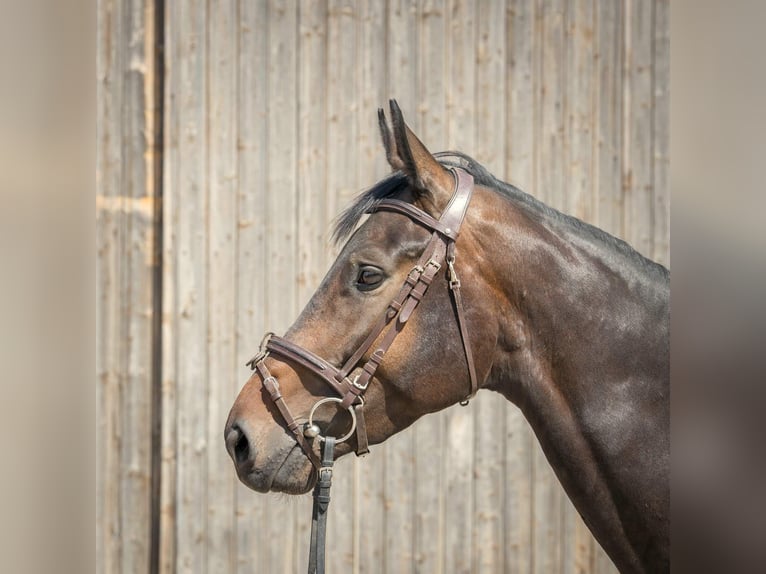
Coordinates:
column 270, row 129
column 125, row 207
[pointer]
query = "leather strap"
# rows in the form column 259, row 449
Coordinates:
column 281, row 347
column 362, row 444
column 453, row 215
column 417, row 215
column 319, row 511
column 454, row 285
column 272, row 387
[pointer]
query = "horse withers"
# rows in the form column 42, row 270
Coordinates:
column 564, row 320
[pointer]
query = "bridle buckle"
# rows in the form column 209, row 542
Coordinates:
column 454, row 281
column 435, row 264
column 262, row 352
column 358, row 386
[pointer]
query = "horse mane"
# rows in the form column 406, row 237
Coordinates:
column 396, row 183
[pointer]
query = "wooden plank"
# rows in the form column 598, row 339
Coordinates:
column 457, row 461
column 489, row 409
column 110, row 244
column 221, row 273
column 608, row 117
column 520, row 169
column 370, row 473
column 489, row 483
column 137, row 185
column 110, row 235
column 124, row 270
column 489, row 114
column 252, row 508
column 313, row 216
column 546, row 525
column 580, row 87
column 661, row 131
column 281, row 232
column 552, row 103
column 517, row 504
column 428, row 444
column 341, row 101
column 170, row 203
column 637, row 137
column 186, row 282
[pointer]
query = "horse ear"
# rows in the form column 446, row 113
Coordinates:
column 389, row 142
column 405, row 152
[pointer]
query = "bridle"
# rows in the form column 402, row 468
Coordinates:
column 351, row 388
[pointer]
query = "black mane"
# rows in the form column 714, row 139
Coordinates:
column 397, row 182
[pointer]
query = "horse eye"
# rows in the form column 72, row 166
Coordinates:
column 369, row 278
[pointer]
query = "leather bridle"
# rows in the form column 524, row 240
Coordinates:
column 349, row 381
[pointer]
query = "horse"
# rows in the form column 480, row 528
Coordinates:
column 562, row 319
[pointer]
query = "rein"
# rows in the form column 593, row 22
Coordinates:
column 351, row 381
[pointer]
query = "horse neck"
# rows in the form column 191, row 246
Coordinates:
column 583, row 351
column 587, row 307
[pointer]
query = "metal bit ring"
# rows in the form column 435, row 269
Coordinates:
column 310, row 422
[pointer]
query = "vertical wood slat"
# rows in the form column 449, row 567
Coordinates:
column 660, row 131
column 110, row 244
column 169, row 398
column 221, row 276
column 637, row 140
column 233, row 162
column 125, row 220
column 186, row 264
column 607, row 180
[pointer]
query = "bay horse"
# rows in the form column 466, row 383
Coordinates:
column 565, row 321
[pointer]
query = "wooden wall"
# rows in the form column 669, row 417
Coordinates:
column 234, row 162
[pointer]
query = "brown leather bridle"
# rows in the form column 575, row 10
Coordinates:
column 440, row 248
column 351, row 389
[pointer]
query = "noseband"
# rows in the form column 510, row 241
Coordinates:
column 351, row 388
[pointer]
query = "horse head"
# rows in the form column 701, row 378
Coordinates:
column 411, row 371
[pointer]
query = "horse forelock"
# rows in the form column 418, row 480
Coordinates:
column 346, row 222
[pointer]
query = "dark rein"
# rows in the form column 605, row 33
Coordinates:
column 351, row 389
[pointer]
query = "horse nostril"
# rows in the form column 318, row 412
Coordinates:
column 237, row 444
column 241, row 449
